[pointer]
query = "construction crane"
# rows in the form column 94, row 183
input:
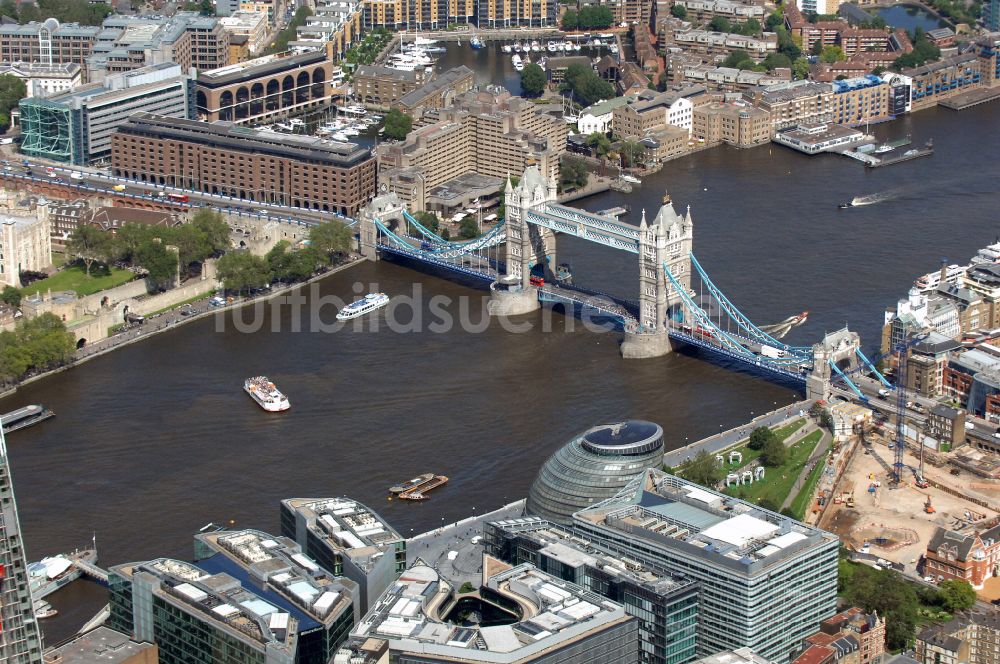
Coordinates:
column 901, row 352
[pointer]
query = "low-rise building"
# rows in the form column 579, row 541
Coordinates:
column 860, row 100
column 705, row 10
column 793, row 103
column 971, row 557
column 76, row 127
column 816, row 137
column 222, row 158
column 25, row 245
column 666, row 606
column 384, row 86
column 439, row 93
column 44, row 79
column 972, row 638
column 946, row 424
column 347, row 539
column 649, row 110
column 102, row 645
column 942, row 79
column 737, row 124
column 867, row 629
column 706, row 42
column 597, row 118
column 554, row 621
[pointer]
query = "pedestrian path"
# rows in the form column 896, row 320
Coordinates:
column 817, row 456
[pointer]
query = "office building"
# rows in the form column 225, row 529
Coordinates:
column 75, row 127
column 222, row 158
column 666, row 606
column 132, row 42
column 382, row 86
column 24, row 245
column 47, row 43
column 541, row 620
column 325, row 606
column 105, row 646
column 489, row 133
column 42, row 79
column 347, row 539
column 265, row 88
column 417, row 14
column 22, row 639
column 766, row 580
column 509, row 13
column 650, row 110
column 971, row 557
column 592, row 467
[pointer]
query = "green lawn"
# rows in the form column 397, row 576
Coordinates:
column 75, row 278
column 749, row 455
column 804, row 498
column 778, row 482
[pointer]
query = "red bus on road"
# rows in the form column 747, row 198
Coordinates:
column 180, row 198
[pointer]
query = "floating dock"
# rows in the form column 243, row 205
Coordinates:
column 891, row 159
column 615, row 211
column 419, row 492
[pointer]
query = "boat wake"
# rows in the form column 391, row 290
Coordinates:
column 872, row 199
column 779, row 330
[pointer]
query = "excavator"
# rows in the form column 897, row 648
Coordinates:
column 928, row 507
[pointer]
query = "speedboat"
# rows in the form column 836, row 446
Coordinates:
column 476, row 42
column 506, row 48
column 552, row 47
column 844, row 206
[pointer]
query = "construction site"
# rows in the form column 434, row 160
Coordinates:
column 874, row 515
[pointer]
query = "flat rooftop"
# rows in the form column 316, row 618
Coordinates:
column 676, row 514
column 102, row 645
column 258, row 67
column 553, row 612
column 345, row 524
column 812, row 134
column 229, row 135
column 312, row 596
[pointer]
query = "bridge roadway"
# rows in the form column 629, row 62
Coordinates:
column 96, row 181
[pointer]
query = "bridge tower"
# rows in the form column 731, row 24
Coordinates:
column 838, row 347
column 386, row 208
column 666, row 242
column 527, row 244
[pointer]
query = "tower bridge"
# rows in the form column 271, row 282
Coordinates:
column 516, row 258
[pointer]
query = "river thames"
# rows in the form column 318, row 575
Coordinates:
column 157, row 439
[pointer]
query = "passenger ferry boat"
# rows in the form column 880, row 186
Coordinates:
column 25, row 417
column 369, row 303
column 266, row 394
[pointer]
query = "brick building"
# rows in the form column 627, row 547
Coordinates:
column 265, row 88
column 383, row 86
column 740, row 125
column 47, row 42
column 972, row 638
column 972, row 558
column 439, row 93
column 220, row 158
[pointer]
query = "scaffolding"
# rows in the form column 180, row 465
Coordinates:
column 47, row 130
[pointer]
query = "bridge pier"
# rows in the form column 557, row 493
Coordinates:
column 644, row 345
column 384, row 207
column 509, row 298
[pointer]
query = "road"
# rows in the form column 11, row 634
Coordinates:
column 98, row 181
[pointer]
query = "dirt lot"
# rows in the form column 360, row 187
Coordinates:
column 893, row 521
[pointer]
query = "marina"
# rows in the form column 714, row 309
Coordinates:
column 24, row 417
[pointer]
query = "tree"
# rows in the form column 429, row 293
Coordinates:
column 573, row 173
column 888, row 593
column 397, row 124
column 214, row 228
column 773, row 20
column 586, row 85
column 777, row 61
column 956, row 595
column 11, row 296
column 428, row 220
column 468, row 228
column 719, row 24
column 159, row 262
column 739, row 59
column 290, row 266
column 595, row 16
column 678, row 11
column 39, row 343
column 532, row 80
column 800, row 69
column 570, row 20
column 12, row 91
column 331, row 237
column 289, row 32
column 89, row 245
column 774, row 453
column 832, row 54
column 702, row 470
column 817, row 48
column 760, row 437
column 241, row 270
column 632, row 152
column 600, row 144
column 786, row 43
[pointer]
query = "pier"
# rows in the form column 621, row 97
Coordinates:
column 965, row 100
column 92, row 571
